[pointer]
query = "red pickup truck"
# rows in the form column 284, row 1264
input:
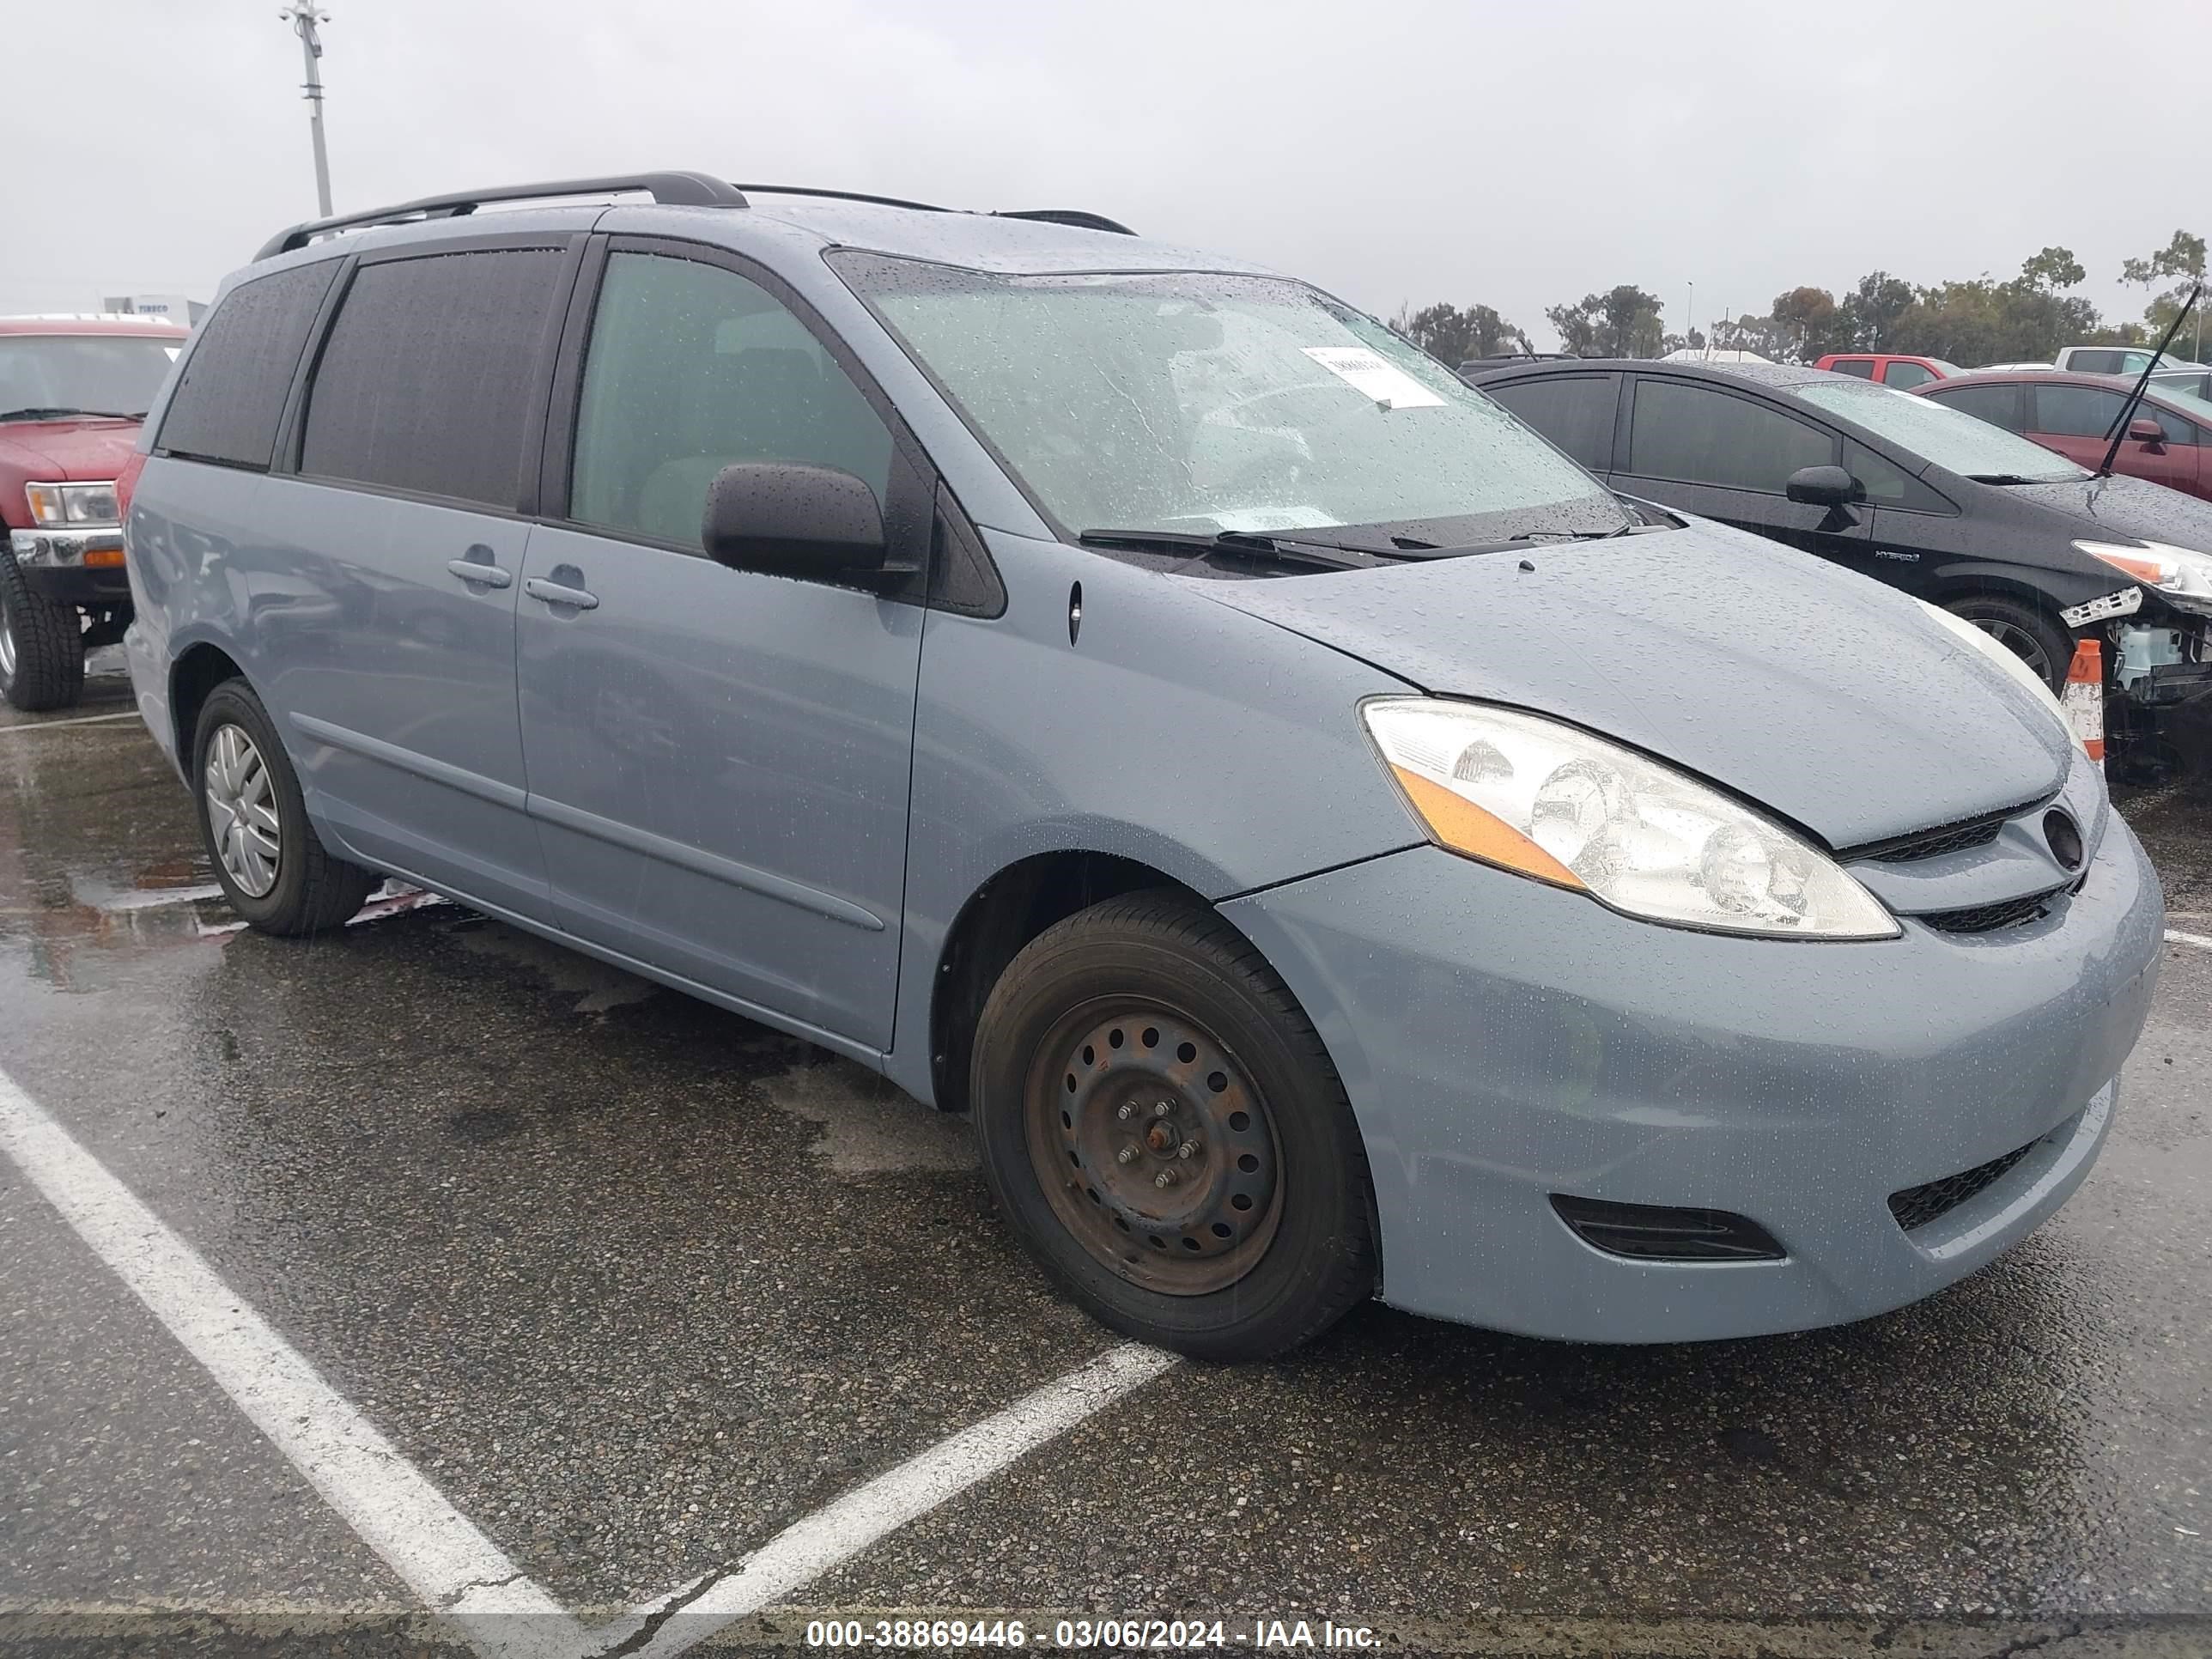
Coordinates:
column 72, row 392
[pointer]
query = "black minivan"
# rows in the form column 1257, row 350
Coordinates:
column 2013, row 537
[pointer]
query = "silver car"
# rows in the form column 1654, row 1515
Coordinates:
column 1327, row 843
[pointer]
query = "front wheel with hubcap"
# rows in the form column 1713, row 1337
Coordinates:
column 1165, row 1133
column 271, row 867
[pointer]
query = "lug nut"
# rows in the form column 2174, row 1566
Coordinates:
column 1128, row 1110
column 1188, row 1149
column 1166, row 1178
column 1127, row 1155
column 1164, row 1109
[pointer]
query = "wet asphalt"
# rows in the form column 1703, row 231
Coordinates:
column 637, row 1284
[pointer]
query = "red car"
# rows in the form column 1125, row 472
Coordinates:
column 2169, row 440
column 72, row 392
column 1903, row 373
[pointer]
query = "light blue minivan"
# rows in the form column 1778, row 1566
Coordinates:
column 1328, row 842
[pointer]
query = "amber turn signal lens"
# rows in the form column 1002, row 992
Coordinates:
column 1459, row 825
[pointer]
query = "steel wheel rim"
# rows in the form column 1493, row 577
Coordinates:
column 241, row 801
column 1100, row 1144
column 7, row 642
column 2018, row 640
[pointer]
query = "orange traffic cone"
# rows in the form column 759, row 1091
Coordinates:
column 2084, row 701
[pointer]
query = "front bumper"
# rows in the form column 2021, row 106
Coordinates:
column 2161, row 658
column 76, row 566
column 1502, row 1041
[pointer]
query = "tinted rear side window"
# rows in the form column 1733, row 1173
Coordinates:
column 2101, row 363
column 1862, row 367
column 232, row 394
column 1999, row 405
column 1699, row 435
column 426, row 378
column 1575, row 411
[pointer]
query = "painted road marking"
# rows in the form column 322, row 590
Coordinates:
column 87, row 720
column 438, row 1552
column 833, row 1535
column 2175, row 936
column 158, row 898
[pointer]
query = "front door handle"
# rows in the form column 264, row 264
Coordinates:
column 478, row 567
column 557, row 593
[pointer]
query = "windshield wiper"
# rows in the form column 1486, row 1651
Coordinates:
column 44, row 414
column 1319, row 556
column 2008, row 478
column 1578, row 535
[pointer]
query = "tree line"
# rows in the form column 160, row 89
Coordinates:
column 1977, row 320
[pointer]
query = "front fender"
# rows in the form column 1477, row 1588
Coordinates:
column 1215, row 748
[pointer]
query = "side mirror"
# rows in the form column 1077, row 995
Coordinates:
column 2144, row 430
column 791, row 520
column 1823, row 486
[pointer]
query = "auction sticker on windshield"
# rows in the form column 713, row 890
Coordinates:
column 1366, row 371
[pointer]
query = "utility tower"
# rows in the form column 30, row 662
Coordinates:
column 303, row 17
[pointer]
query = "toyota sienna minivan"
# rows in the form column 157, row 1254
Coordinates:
column 1327, row 843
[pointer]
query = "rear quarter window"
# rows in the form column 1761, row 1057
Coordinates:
column 231, row 395
column 425, row 380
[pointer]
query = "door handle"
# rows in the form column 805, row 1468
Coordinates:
column 483, row 571
column 556, row 593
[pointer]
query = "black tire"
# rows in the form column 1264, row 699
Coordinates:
column 42, row 659
column 1173, row 964
column 312, row 891
column 2035, row 636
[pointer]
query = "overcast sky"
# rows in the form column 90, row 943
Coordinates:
column 1517, row 154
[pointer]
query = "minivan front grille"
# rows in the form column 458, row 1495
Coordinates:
column 1916, row 1206
column 1991, row 918
column 1934, row 844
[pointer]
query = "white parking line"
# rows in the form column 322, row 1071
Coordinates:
column 439, row 1553
column 442, row 1557
column 832, row 1535
column 2175, row 936
column 86, row 719
column 158, row 898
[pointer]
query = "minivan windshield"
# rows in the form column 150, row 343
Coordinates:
column 1199, row 402
column 1953, row 440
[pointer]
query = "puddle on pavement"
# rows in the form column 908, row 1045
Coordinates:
column 597, row 986
column 866, row 1124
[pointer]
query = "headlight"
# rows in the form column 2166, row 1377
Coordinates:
column 2181, row 573
column 1990, row 646
column 1554, row 803
column 60, row 506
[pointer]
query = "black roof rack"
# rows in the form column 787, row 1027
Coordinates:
column 1074, row 216
column 670, row 188
column 843, row 196
column 673, row 189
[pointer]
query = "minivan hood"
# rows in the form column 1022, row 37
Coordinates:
column 2123, row 508
column 1822, row 696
